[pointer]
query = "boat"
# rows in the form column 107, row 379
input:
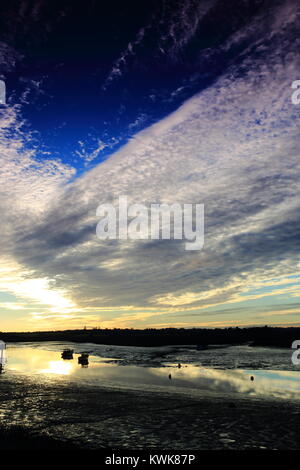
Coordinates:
column 83, row 359
column 67, row 354
column 2, row 356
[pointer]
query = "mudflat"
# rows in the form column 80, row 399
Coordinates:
column 40, row 413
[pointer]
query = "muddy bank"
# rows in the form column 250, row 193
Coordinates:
column 100, row 418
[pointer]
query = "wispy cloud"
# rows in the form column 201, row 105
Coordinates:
column 173, row 26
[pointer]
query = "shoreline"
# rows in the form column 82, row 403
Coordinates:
column 89, row 417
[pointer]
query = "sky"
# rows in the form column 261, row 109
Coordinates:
column 162, row 102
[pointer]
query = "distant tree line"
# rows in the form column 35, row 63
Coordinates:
column 256, row 336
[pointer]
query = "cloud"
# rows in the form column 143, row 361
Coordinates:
column 120, row 64
column 173, row 26
column 234, row 147
column 8, row 58
column 179, row 25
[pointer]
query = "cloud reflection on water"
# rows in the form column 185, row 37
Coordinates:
column 102, row 371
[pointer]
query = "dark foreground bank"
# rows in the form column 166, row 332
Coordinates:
column 256, row 336
column 19, row 438
column 65, row 416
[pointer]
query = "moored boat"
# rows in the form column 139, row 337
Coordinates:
column 2, row 355
column 83, row 359
column 67, row 354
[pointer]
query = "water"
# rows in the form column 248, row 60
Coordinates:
column 226, row 370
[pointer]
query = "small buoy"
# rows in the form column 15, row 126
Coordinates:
column 252, row 378
column 170, row 376
column 179, row 365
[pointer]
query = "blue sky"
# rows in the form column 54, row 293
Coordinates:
column 186, row 102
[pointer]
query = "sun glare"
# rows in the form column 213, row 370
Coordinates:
column 58, row 367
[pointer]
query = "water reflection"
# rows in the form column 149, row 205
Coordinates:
column 58, row 367
column 103, row 371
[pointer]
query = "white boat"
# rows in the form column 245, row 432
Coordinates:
column 2, row 355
